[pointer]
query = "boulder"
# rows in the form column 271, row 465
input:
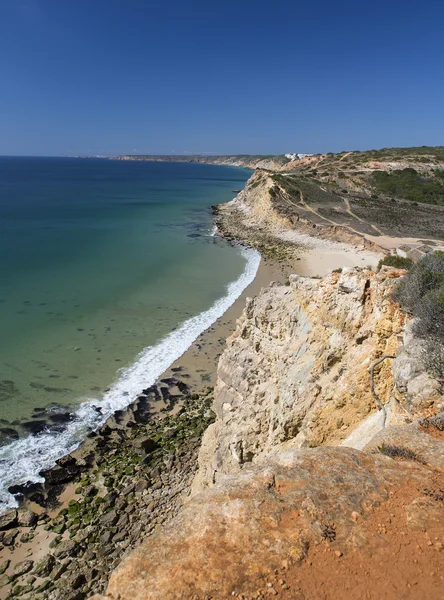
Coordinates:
column 22, row 567
column 27, row 518
column 45, row 566
column 8, row 520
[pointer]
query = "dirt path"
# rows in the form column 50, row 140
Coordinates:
column 350, row 212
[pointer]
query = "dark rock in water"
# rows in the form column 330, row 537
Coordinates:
column 61, row 417
column 105, row 431
column 39, row 415
column 67, row 469
column 7, row 389
column 36, row 386
column 8, row 520
column 194, row 235
column 119, row 415
column 30, row 490
column 98, row 409
column 66, row 461
column 152, row 390
column 56, row 389
column 8, row 434
column 34, row 427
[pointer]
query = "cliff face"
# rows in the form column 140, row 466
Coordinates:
column 267, row 208
column 296, row 374
column 296, row 370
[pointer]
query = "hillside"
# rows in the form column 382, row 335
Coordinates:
column 251, row 161
column 377, row 195
column 415, row 174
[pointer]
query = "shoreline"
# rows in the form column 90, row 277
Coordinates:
column 145, row 479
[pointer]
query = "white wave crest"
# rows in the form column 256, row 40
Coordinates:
column 22, row 460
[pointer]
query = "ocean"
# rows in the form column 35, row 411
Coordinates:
column 109, row 270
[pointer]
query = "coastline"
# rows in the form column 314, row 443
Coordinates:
column 151, row 475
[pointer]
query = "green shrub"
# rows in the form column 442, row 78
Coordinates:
column 409, row 184
column 393, row 260
column 399, row 452
column 421, row 292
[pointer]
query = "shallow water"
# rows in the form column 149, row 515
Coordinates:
column 99, row 262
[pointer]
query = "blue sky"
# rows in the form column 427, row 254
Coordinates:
column 134, row 76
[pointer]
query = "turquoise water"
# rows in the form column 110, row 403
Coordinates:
column 99, row 262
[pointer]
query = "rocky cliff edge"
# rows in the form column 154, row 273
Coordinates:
column 277, row 510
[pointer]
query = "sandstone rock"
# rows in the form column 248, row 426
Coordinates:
column 65, row 548
column 8, row 538
column 243, row 528
column 27, row 518
column 45, row 566
column 8, row 520
column 297, row 365
column 4, row 566
column 411, row 377
column 22, row 567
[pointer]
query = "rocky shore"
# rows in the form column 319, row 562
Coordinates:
column 100, row 502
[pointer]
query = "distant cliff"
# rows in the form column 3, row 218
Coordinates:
column 283, row 204
column 274, row 163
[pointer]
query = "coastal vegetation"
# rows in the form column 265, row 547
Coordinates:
column 421, row 292
column 409, row 184
column 393, row 260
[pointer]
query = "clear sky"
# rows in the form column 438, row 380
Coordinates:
column 244, row 76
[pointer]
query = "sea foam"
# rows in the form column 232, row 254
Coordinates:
column 22, row 460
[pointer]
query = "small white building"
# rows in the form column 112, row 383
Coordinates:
column 297, row 156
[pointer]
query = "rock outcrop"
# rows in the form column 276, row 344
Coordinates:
column 276, row 510
column 296, row 370
column 248, row 535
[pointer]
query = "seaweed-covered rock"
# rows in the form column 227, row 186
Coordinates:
column 45, row 566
